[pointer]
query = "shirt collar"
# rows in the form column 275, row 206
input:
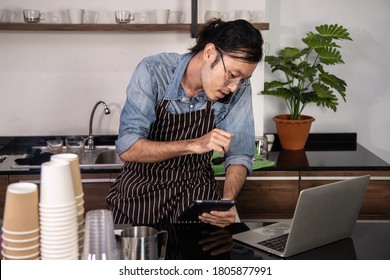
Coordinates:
column 174, row 90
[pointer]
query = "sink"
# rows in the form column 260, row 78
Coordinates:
column 99, row 158
column 108, row 157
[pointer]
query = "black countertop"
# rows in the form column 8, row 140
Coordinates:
column 326, row 151
column 369, row 241
column 358, row 159
column 323, row 151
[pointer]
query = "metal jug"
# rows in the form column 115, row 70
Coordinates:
column 141, row 243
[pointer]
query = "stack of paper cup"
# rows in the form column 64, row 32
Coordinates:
column 73, row 160
column 58, row 212
column 20, row 232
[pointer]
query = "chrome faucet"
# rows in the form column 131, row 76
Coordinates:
column 90, row 142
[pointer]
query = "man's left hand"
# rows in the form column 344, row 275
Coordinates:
column 219, row 218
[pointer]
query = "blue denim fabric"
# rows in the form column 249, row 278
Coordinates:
column 159, row 76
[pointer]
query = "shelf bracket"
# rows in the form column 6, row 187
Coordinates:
column 194, row 18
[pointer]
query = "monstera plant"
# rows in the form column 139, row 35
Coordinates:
column 305, row 78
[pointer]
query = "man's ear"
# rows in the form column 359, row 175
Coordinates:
column 210, row 52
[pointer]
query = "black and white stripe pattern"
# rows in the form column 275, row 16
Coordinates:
column 159, row 192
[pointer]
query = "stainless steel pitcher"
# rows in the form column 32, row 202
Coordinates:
column 141, row 243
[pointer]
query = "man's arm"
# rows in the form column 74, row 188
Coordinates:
column 148, row 151
column 234, row 180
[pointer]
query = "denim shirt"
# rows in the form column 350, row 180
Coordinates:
column 159, row 77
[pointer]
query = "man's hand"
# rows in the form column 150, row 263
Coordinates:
column 219, row 218
column 216, row 140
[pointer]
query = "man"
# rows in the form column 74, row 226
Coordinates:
column 179, row 110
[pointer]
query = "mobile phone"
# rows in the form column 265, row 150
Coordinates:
column 225, row 99
column 197, row 207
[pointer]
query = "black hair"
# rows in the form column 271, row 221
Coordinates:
column 238, row 39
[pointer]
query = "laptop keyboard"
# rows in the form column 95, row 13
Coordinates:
column 277, row 243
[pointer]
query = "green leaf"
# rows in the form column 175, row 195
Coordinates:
column 325, row 97
column 291, row 53
column 329, row 56
column 334, row 31
column 334, row 82
column 273, row 84
column 272, row 60
column 279, row 92
column 315, row 41
column 307, row 71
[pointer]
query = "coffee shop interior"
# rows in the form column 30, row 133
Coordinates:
column 55, row 73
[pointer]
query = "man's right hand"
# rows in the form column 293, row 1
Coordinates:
column 216, row 140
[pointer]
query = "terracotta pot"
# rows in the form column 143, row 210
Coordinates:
column 293, row 133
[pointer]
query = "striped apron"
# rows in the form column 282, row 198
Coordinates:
column 148, row 193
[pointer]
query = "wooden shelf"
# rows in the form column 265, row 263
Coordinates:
column 106, row 27
column 192, row 27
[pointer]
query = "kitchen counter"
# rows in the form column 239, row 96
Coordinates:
column 322, row 152
column 369, row 241
column 327, row 151
column 268, row 193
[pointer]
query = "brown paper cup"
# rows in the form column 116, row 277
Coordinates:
column 24, row 257
column 20, row 252
column 21, row 208
column 15, row 243
column 20, row 236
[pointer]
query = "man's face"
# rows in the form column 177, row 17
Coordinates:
column 222, row 74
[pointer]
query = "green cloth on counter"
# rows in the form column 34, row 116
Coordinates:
column 259, row 162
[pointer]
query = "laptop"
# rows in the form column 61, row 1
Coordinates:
column 323, row 215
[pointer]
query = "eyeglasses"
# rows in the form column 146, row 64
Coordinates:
column 229, row 82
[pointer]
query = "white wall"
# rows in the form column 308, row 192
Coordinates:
column 366, row 68
column 51, row 80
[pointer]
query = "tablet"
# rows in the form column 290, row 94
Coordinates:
column 197, row 207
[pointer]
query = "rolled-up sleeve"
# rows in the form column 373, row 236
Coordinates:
column 237, row 118
column 138, row 112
